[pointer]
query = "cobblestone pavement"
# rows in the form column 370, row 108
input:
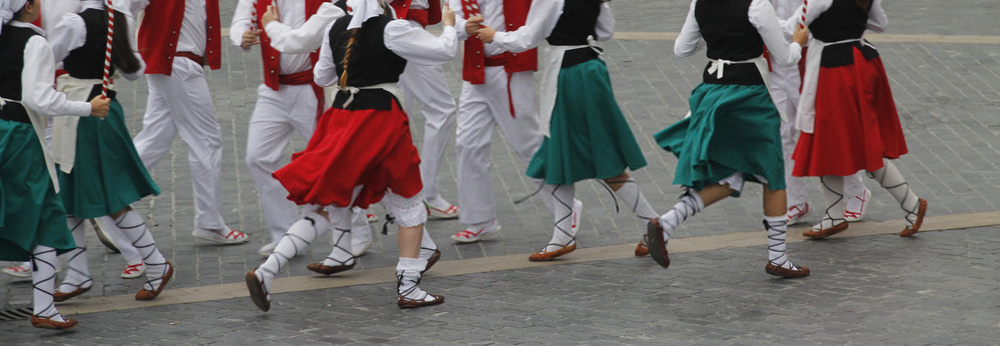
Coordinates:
column 940, row 288
column 946, row 93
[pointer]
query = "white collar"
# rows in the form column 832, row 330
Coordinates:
column 21, row 24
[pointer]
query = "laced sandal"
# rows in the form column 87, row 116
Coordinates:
column 825, row 232
column 543, row 255
column 61, row 297
column 145, row 294
column 431, row 261
column 793, row 272
column 642, row 249
column 407, row 303
column 915, row 227
column 404, row 302
column 656, row 244
column 133, row 271
column 258, row 293
column 48, row 323
column 321, row 268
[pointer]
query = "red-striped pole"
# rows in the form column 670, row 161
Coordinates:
column 107, row 56
column 253, row 16
column 802, row 20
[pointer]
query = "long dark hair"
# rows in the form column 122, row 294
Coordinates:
column 122, row 55
column 864, row 4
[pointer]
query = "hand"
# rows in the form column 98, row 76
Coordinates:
column 250, row 38
column 485, row 34
column 447, row 15
column 801, row 35
column 473, row 24
column 269, row 16
column 99, row 106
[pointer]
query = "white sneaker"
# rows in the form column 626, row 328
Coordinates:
column 439, row 208
column 133, row 271
column 267, row 249
column 470, row 235
column 19, row 273
column 223, row 236
column 796, row 213
column 857, row 206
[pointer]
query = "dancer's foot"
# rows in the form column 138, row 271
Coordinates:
column 552, row 251
column 267, row 249
column 642, row 249
column 439, row 208
column 258, row 293
column 52, row 322
column 819, row 233
column 59, row 296
column 857, row 207
column 222, row 236
column 433, row 259
column 133, row 271
column 477, row 232
column 429, row 300
column 796, row 213
column 320, row 268
column 657, row 244
column 145, row 294
column 790, row 272
column 915, row 227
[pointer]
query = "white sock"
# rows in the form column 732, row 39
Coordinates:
column 833, row 190
column 341, row 253
column 634, row 200
column 129, row 252
column 78, row 275
column 299, row 236
column 562, row 206
column 890, row 179
column 43, row 279
column 408, row 277
column 361, row 230
column 776, row 229
column 134, row 227
column 427, row 245
column 689, row 205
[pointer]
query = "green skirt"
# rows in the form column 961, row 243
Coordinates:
column 108, row 174
column 31, row 213
column 732, row 128
column 589, row 136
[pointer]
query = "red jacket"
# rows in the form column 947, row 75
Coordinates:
column 515, row 13
column 161, row 27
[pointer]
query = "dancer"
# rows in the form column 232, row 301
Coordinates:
column 427, row 85
column 287, row 103
column 845, row 93
column 175, row 44
column 498, row 89
column 732, row 135
column 587, row 135
column 33, row 223
column 362, row 150
column 785, row 82
column 99, row 170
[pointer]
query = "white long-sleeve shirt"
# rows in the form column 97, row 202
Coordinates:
column 416, row 45
column 492, row 11
column 292, row 15
column 304, row 38
column 541, row 20
column 71, row 33
column 877, row 20
column 38, row 92
column 762, row 17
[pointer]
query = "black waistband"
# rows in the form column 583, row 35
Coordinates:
column 14, row 111
column 842, row 54
column 380, row 99
column 578, row 56
column 734, row 74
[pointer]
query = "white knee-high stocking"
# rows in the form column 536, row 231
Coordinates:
column 776, row 230
column 833, row 190
column 563, row 233
column 129, row 252
column 689, row 205
column 341, row 254
column 78, row 275
column 43, row 279
column 632, row 196
column 427, row 245
column 299, row 236
column 890, row 179
column 134, row 227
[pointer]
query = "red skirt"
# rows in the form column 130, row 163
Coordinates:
column 856, row 122
column 369, row 147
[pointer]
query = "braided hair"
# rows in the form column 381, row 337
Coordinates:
column 351, row 44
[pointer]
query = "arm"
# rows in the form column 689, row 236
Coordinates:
column 605, row 24
column 38, row 92
column 69, row 34
column 689, row 40
column 131, row 41
column 456, row 6
column 241, row 22
column 877, row 21
column 306, row 38
column 815, row 8
column 419, row 46
column 325, row 71
column 762, row 16
column 542, row 18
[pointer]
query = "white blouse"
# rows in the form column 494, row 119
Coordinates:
column 542, row 19
column 38, row 92
column 762, row 17
column 71, row 33
column 416, row 45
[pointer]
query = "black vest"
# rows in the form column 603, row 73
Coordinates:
column 730, row 36
column 87, row 61
column 371, row 63
column 844, row 20
column 576, row 23
column 13, row 39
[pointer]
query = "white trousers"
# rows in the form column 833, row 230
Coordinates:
column 180, row 104
column 785, row 89
column 480, row 108
column 276, row 117
column 427, row 85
